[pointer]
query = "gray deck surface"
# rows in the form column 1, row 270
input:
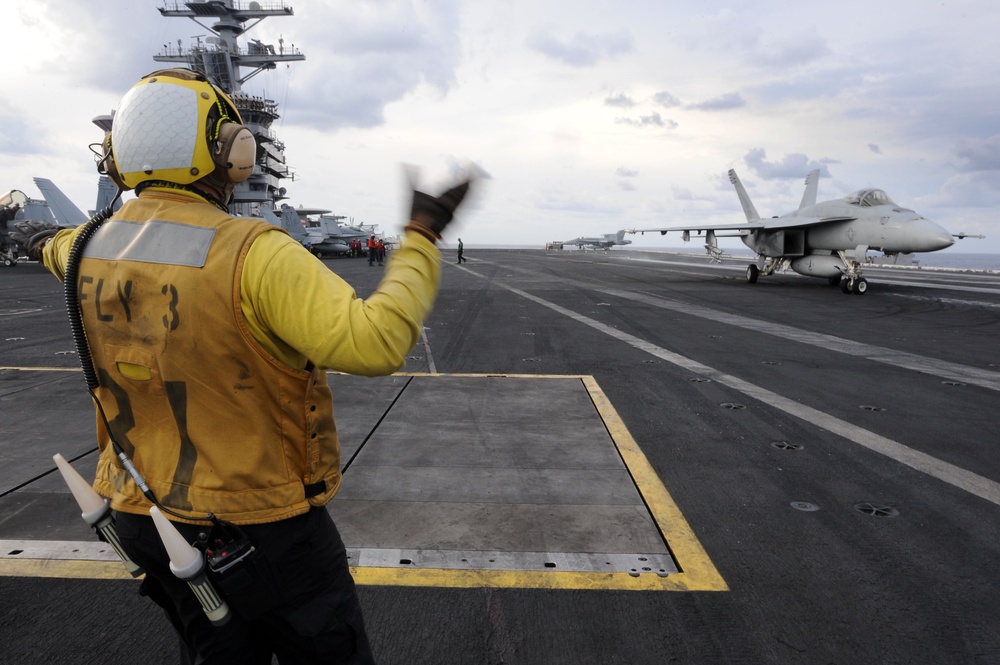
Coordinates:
column 834, row 455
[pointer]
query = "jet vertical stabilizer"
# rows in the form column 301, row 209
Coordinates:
column 64, row 210
column 812, row 186
column 745, row 201
column 106, row 191
column 291, row 222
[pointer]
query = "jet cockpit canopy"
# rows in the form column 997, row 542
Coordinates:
column 867, row 198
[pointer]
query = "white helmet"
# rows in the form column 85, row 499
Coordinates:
column 175, row 126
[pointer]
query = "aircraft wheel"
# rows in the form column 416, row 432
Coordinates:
column 861, row 286
column 847, row 285
column 752, row 273
column 10, row 263
column 319, row 255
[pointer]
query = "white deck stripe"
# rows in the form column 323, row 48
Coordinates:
column 949, row 473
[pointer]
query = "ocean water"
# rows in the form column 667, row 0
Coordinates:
column 959, row 260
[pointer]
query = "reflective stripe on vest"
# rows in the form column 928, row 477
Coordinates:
column 155, row 241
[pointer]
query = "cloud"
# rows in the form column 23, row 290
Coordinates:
column 665, row 99
column 731, row 100
column 623, row 172
column 626, row 186
column 17, row 136
column 373, row 54
column 682, row 193
column 571, row 202
column 580, row 50
column 795, row 165
column 654, row 119
column 112, row 62
column 983, row 156
column 970, row 190
column 620, row 100
column 791, row 52
column 874, row 148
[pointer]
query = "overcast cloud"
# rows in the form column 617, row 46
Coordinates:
column 588, row 116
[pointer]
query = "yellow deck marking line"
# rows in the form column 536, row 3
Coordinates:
column 697, row 572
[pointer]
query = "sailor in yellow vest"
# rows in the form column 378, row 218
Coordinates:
column 210, row 336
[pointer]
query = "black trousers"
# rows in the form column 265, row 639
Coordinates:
column 294, row 597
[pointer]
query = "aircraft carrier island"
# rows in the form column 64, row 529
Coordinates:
column 619, row 457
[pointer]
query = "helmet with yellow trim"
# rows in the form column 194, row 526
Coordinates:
column 175, row 126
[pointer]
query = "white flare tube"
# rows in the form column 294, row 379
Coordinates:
column 188, row 563
column 96, row 511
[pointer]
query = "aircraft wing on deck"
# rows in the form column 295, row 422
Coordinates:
column 772, row 224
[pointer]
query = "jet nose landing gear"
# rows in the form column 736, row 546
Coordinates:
column 858, row 286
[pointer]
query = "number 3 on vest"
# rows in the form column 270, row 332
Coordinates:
column 171, row 321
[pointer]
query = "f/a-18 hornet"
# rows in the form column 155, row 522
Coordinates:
column 605, row 242
column 829, row 239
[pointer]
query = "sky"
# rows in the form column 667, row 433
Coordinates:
column 582, row 116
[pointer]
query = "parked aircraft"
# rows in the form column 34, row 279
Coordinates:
column 322, row 234
column 607, row 241
column 829, row 239
column 22, row 217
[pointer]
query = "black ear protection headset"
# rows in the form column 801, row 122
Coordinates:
column 231, row 144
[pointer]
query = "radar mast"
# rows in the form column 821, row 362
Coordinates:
column 221, row 58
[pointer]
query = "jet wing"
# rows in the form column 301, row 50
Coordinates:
column 796, row 222
column 740, row 229
column 772, row 224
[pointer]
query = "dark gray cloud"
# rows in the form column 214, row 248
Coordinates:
column 580, row 50
column 984, row 156
column 795, row 165
column 731, row 100
column 654, row 119
column 665, row 99
column 620, row 100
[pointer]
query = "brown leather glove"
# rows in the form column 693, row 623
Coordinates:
column 429, row 215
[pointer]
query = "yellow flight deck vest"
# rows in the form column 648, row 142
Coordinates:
column 208, row 417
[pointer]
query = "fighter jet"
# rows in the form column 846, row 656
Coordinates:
column 829, row 239
column 323, row 235
column 21, row 217
column 605, row 242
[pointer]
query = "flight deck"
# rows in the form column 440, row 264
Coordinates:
column 517, row 481
column 811, row 477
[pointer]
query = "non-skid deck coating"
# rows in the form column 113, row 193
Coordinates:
column 463, row 481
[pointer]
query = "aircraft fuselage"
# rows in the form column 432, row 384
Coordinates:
column 886, row 228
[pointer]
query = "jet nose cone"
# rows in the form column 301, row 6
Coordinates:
column 933, row 237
